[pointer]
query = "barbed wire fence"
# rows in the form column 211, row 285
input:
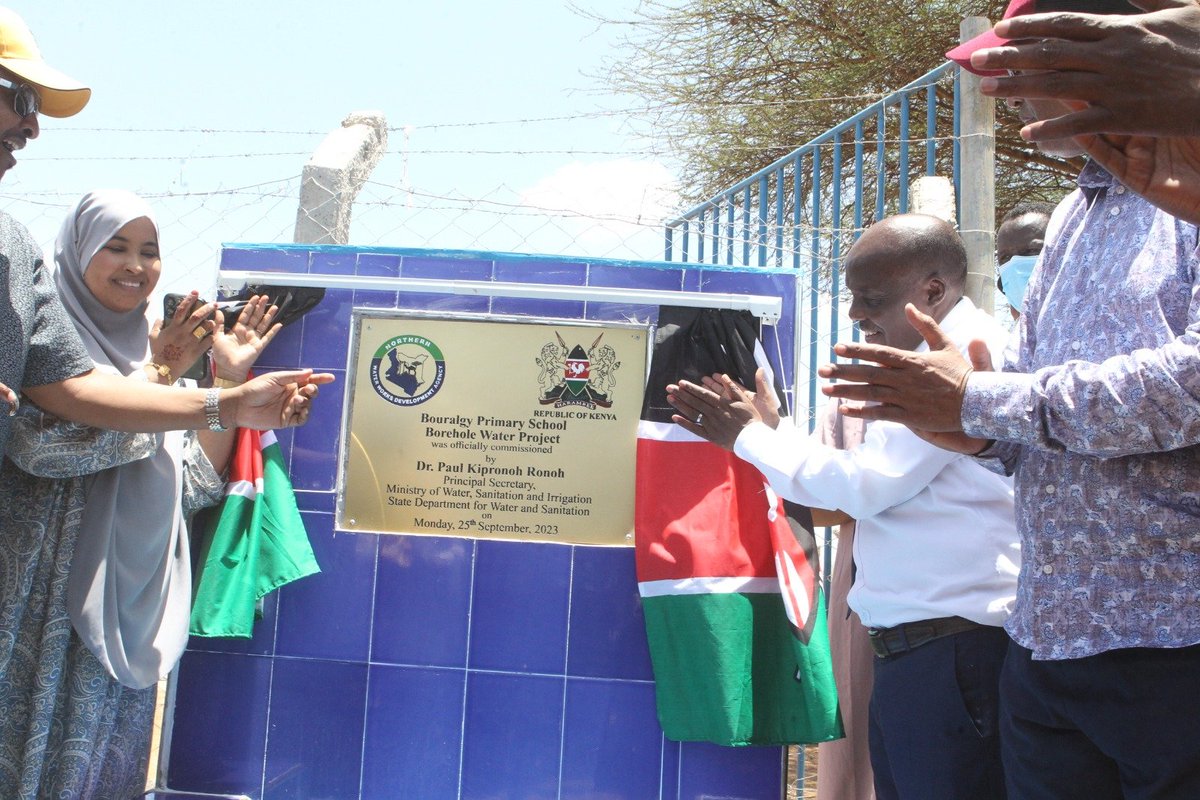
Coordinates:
column 611, row 206
column 194, row 226
column 597, row 204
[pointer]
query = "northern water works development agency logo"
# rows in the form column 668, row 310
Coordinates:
column 407, row 370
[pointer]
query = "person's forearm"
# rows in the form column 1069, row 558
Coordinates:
column 115, row 403
column 218, row 447
column 203, row 485
column 1137, row 403
column 885, row 470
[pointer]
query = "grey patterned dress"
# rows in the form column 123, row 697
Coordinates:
column 69, row 729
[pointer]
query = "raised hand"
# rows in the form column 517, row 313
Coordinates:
column 178, row 344
column 1137, row 74
column 716, row 412
column 235, row 350
column 958, row 441
column 1164, row 170
column 921, row 390
column 766, row 404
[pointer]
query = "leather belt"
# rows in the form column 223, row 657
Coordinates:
column 911, row 635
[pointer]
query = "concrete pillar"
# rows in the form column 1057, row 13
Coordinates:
column 977, row 170
column 933, row 195
column 334, row 175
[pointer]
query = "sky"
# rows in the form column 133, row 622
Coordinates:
column 210, row 110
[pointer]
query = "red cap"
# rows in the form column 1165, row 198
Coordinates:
column 961, row 55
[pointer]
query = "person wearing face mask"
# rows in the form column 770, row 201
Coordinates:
column 95, row 579
column 1019, row 240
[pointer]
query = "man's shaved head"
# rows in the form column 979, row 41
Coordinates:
column 907, row 258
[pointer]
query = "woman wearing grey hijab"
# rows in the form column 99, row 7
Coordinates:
column 95, row 579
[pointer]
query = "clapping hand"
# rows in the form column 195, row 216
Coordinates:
column 766, row 404
column 924, row 391
column 719, row 409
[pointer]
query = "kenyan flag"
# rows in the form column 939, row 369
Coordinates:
column 255, row 544
column 727, row 571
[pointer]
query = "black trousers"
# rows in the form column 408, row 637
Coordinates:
column 1121, row 724
column 934, row 719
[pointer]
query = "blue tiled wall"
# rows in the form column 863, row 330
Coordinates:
column 427, row 668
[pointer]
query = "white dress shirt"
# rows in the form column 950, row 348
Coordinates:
column 935, row 534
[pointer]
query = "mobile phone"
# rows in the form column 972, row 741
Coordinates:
column 229, row 308
column 171, row 303
column 198, row 371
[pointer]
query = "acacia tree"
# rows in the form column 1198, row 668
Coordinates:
column 733, row 85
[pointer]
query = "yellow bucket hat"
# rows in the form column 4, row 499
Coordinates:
column 61, row 96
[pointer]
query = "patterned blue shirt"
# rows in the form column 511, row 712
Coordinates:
column 1097, row 414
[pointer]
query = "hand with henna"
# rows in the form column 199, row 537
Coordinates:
column 177, row 344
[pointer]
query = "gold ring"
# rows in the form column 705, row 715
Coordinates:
column 200, row 333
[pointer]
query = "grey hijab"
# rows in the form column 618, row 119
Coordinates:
column 129, row 590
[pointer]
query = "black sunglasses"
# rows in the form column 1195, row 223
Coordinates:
column 26, row 100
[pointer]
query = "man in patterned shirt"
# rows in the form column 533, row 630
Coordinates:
column 1097, row 414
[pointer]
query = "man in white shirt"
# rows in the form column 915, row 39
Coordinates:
column 936, row 548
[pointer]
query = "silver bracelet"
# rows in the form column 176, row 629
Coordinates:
column 212, row 410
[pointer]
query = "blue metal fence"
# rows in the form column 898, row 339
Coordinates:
column 803, row 211
column 745, row 224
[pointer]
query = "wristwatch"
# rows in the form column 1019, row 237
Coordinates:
column 161, row 369
column 212, row 410
column 225, row 383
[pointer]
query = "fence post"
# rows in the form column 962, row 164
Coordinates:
column 933, row 195
column 333, row 176
column 978, row 179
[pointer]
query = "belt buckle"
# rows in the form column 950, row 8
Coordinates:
column 878, row 642
column 902, row 638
